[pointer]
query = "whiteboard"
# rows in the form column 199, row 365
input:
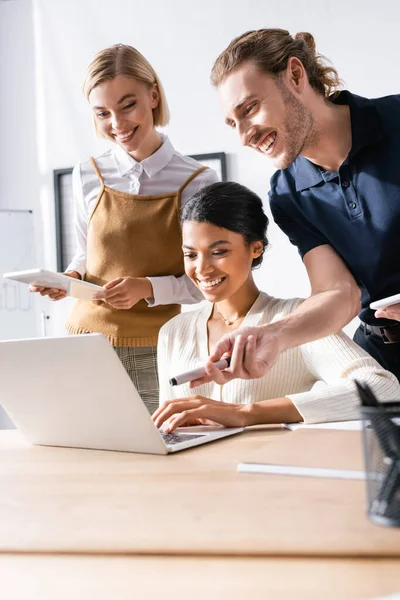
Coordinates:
column 18, row 314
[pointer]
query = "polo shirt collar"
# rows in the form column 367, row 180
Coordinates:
column 366, row 130
column 366, row 127
column 151, row 165
column 307, row 174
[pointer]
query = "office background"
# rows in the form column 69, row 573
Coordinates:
column 45, row 122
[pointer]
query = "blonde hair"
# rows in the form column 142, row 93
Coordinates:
column 126, row 60
column 270, row 50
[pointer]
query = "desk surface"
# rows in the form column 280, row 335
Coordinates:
column 194, row 502
column 66, row 577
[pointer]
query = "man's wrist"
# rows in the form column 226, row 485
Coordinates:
column 290, row 331
column 279, row 332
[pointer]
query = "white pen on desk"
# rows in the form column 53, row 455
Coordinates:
column 198, row 373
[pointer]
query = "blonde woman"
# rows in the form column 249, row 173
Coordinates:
column 127, row 206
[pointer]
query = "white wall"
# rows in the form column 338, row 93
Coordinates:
column 181, row 39
column 21, row 180
column 17, row 107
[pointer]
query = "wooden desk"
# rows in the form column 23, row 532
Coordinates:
column 38, row 577
column 192, row 503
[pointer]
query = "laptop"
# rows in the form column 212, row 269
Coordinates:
column 74, row 391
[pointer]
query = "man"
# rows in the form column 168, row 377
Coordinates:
column 336, row 193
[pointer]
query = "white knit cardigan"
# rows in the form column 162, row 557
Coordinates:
column 317, row 376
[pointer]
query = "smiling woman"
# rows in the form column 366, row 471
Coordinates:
column 224, row 237
column 127, row 207
column 123, row 112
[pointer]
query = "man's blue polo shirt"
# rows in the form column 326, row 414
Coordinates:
column 357, row 209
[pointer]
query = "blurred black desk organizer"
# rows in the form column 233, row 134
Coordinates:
column 381, row 444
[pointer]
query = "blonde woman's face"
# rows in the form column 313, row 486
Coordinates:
column 267, row 115
column 123, row 112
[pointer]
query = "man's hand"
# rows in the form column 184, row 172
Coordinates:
column 390, row 312
column 334, row 301
column 54, row 293
column 198, row 410
column 253, row 351
column 125, row 292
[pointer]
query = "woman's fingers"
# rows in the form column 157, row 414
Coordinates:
column 227, row 415
column 177, row 413
column 52, row 293
column 171, row 407
column 124, row 292
column 111, row 294
column 188, row 417
column 59, row 295
column 110, row 290
column 111, row 284
column 167, row 410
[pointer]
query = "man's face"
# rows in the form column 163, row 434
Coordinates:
column 267, row 115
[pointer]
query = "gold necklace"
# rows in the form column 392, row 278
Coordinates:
column 228, row 321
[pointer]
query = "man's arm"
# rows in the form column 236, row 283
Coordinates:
column 334, row 301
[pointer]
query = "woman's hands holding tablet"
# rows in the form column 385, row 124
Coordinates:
column 125, row 292
column 120, row 293
column 54, row 293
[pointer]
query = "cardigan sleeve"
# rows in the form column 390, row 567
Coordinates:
column 173, row 290
column 336, row 361
column 181, row 290
column 78, row 263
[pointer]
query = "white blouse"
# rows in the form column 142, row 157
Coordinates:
column 317, row 376
column 164, row 171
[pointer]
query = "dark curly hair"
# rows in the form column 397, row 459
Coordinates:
column 233, row 207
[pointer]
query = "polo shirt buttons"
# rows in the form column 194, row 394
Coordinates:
column 345, row 184
column 352, row 205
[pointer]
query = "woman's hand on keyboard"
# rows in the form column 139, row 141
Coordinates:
column 198, row 410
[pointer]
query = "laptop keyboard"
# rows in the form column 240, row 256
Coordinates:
column 178, row 438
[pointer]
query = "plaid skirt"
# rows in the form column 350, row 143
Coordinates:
column 141, row 365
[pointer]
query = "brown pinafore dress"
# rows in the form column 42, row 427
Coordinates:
column 136, row 236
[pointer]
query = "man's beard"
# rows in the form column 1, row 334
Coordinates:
column 299, row 128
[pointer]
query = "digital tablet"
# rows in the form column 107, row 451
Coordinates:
column 385, row 302
column 74, row 287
